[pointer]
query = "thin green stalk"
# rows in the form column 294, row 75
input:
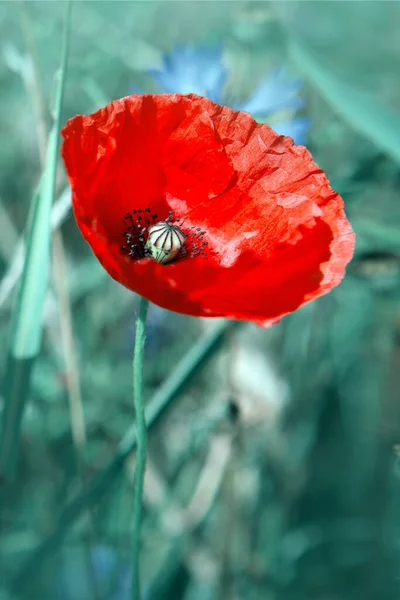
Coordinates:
column 141, row 443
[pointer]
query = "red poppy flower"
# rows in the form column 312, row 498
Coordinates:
column 263, row 231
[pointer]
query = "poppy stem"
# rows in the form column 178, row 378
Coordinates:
column 141, row 436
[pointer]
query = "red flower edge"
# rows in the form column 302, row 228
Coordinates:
column 276, row 232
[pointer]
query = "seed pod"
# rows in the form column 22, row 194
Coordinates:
column 164, row 241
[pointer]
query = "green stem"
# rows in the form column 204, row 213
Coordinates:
column 141, row 437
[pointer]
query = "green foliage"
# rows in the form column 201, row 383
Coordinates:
column 272, row 463
column 370, row 117
column 28, row 309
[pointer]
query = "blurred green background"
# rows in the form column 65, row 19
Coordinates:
column 273, row 471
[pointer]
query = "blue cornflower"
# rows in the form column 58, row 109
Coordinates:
column 192, row 69
column 198, row 69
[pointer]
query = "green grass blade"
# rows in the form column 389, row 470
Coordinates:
column 60, row 212
column 26, row 321
column 380, row 123
column 26, row 326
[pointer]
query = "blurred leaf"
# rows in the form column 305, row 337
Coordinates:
column 380, row 123
column 118, row 41
column 8, row 233
column 363, row 336
column 26, row 327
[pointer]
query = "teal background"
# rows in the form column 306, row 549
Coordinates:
column 273, row 471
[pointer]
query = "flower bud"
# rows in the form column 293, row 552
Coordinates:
column 164, row 241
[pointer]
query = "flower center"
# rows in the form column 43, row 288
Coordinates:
column 164, row 241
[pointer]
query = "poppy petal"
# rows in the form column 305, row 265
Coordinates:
column 276, row 232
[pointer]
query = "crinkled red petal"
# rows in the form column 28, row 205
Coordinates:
column 277, row 233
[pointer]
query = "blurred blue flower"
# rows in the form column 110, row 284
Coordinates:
column 192, row 69
column 275, row 92
column 198, row 69
column 295, row 128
